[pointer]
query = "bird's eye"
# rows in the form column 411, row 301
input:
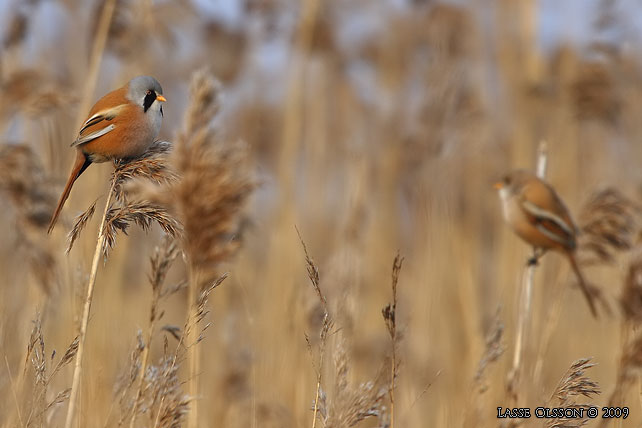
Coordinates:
column 507, row 180
column 149, row 92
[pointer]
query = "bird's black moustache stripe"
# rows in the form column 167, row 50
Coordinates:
column 149, row 100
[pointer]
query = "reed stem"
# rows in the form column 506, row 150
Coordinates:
column 75, row 386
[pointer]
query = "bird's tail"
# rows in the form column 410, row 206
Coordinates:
column 80, row 165
column 583, row 284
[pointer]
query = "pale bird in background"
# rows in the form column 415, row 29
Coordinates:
column 532, row 208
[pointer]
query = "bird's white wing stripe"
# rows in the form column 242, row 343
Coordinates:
column 552, row 235
column 539, row 212
column 110, row 112
column 93, row 135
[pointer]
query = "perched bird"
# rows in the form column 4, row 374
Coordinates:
column 122, row 124
column 533, row 210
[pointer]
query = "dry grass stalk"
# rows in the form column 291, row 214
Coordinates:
column 171, row 411
column 628, row 367
column 351, row 404
column 75, row 386
column 475, row 400
column 151, row 168
column 143, row 214
column 572, row 385
column 79, row 225
column 313, row 275
column 116, row 218
column 42, row 376
column 389, row 313
column 494, row 349
column 33, row 93
column 23, row 180
column 630, row 361
column 526, row 292
column 32, row 195
column 208, row 197
column 154, row 167
column 97, row 49
column 631, row 298
column 215, row 183
column 608, row 222
column 128, row 378
column 162, row 260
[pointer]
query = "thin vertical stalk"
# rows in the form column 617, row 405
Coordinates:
column 97, row 49
column 194, row 355
column 526, row 292
column 75, row 386
column 143, row 368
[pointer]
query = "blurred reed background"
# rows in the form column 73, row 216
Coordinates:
column 374, row 127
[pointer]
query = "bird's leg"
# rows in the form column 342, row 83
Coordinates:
column 534, row 259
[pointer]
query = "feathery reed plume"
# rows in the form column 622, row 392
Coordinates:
column 476, row 401
column 389, row 313
column 125, row 383
column 572, row 385
column 351, row 405
column 631, row 298
column 208, row 197
column 172, row 407
column 628, row 369
column 151, row 168
column 118, row 217
column 79, row 225
column 32, row 194
column 33, row 93
column 141, row 213
column 43, row 376
column 494, row 349
column 214, row 184
column 313, row 275
column 159, row 390
column 75, row 385
column 630, row 360
column 608, row 222
column 23, row 179
column 161, row 261
column 16, row 31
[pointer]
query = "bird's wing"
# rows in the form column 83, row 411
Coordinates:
column 554, row 221
column 550, row 224
column 97, row 125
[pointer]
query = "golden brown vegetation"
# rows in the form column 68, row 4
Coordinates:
column 376, row 147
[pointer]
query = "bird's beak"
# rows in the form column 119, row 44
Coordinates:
column 499, row 185
column 161, row 98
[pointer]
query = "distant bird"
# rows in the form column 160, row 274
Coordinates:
column 122, row 124
column 533, row 210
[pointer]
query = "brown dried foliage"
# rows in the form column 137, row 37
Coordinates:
column 44, row 373
column 608, row 222
column 631, row 298
column 494, row 349
column 572, row 385
column 32, row 195
column 151, row 168
column 351, row 404
column 213, row 186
